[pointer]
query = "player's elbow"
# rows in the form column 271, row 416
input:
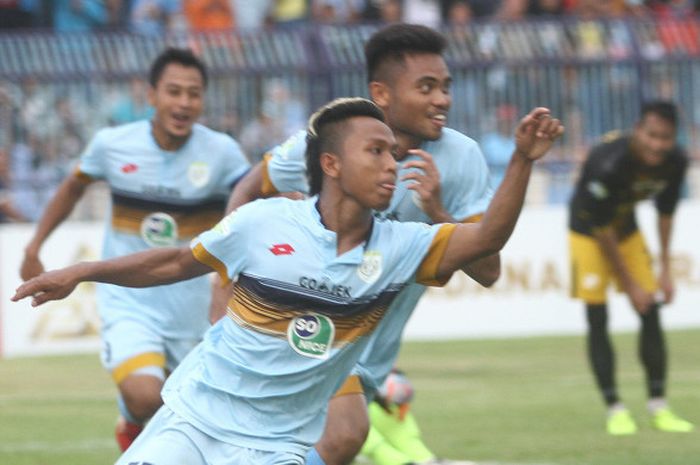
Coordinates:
column 489, row 277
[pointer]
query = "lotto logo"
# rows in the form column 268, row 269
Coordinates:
column 282, row 249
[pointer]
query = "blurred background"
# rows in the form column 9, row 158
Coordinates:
column 69, row 67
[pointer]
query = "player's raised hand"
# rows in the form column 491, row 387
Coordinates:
column 426, row 182
column 536, row 133
column 54, row 285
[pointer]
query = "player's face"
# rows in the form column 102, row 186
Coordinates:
column 178, row 98
column 654, row 138
column 420, row 97
column 368, row 167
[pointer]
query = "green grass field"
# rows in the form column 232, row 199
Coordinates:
column 512, row 401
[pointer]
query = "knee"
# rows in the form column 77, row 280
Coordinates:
column 340, row 446
column 141, row 395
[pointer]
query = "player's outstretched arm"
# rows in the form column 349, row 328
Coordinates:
column 534, row 136
column 150, row 268
column 59, row 207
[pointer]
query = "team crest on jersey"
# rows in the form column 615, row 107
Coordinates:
column 198, row 173
column 159, row 230
column 311, row 335
column 598, row 190
column 371, row 267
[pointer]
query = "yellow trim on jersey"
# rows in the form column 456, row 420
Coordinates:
column 148, row 359
column 246, row 309
column 352, row 385
column 84, row 177
column 128, row 220
column 267, row 188
column 473, row 219
column 427, row 271
column 202, row 255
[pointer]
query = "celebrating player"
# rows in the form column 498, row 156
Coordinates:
column 313, row 279
column 169, row 180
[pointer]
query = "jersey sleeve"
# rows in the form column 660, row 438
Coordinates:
column 92, row 161
column 427, row 271
column 667, row 200
column 224, row 247
column 286, row 166
column 468, row 192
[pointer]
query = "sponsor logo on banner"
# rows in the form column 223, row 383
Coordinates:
column 311, row 335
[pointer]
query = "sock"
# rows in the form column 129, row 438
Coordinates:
column 652, row 352
column 312, row 458
column 404, row 434
column 378, row 449
column 656, row 403
column 600, row 352
column 615, row 408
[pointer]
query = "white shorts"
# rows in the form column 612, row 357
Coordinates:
column 170, row 440
column 130, row 346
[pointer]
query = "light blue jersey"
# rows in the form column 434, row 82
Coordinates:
column 465, row 191
column 160, row 198
column 298, row 321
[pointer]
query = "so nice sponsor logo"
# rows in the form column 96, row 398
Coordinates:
column 311, row 335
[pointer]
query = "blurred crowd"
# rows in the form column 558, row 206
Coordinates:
column 154, row 17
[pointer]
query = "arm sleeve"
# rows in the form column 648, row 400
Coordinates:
column 92, row 161
column 667, row 200
column 224, row 247
column 286, row 167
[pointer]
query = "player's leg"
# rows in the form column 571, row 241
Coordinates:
column 346, row 427
column 590, row 278
column 135, row 357
column 651, row 344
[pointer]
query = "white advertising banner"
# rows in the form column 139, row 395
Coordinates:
column 531, row 297
column 67, row 326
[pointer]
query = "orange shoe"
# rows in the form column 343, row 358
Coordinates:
column 126, row 432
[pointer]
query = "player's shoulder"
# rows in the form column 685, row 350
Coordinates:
column 292, row 148
column 678, row 156
column 206, row 134
column 610, row 153
column 122, row 132
column 454, row 143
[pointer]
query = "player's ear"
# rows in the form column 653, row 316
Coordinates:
column 379, row 93
column 330, row 164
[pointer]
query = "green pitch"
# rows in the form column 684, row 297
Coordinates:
column 510, row 401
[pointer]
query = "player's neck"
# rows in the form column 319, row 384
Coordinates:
column 350, row 221
column 167, row 141
column 406, row 142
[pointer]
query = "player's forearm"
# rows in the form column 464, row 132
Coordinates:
column 247, row 189
column 57, row 210
column 665, row 226
column 607, row 238
column 144, row 269
column 484, row 271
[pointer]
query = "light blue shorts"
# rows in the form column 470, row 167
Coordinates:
column 130, row 346
column 170, row 440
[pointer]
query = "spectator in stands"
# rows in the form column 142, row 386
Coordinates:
column 425, row 12
column 8, row 212
column 290, row 12
column 459, row 13
column 19, row 14
column 251, row 15
column 512, row 10
column 133, row 106
column 152, row 17
column 336, row 11
column 79, row 15
column 498, row 144
column 208, row 15
column 546, row 8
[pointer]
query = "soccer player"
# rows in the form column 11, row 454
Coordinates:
column 313, row 279
column 443, row 177
column 606, row 246
column 169, row 180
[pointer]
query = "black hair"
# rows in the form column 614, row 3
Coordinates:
column 664, row 109
column 324, row 133
column 392, row 43
column 182, row 56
